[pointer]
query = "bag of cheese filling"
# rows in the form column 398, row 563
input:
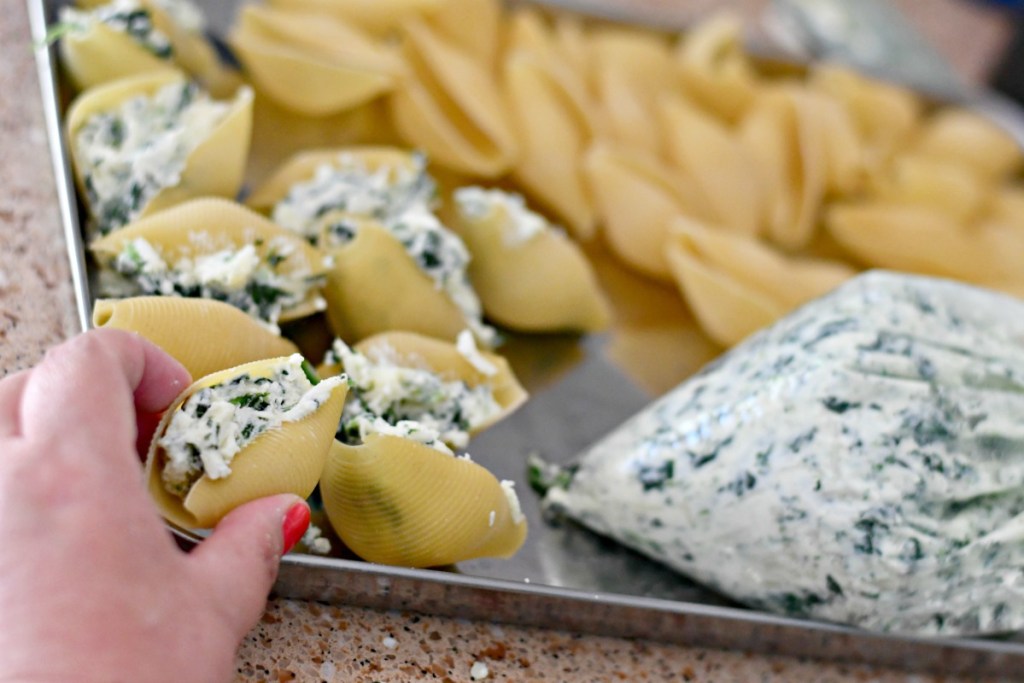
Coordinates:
column 861, row 462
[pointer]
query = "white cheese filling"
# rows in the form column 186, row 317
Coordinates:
column 520, row 224
column 128, row 154
column 215, row 423
column 124, row 16
column 261, row 287
column 411, row 402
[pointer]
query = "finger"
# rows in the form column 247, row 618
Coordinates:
column 237, row 565
column 10, row 403
column 93, row 384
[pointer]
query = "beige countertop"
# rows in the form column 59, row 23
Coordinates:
column 298, row 640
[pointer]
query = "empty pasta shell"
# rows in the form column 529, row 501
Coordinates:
column 928, row 240
column 101, row 54
column 715, row 70
column 540, row 282
column 945, row 185
column 313, row 64
column 735, row 284
column 202, row 334
column 449, row 106
column 635, row 196
column 718, row 162
column 285, row 459
column 380, row 17
column 375, row 286
column 473, row 25
column 409, row 349
column 553, row 136
column 206, row 226
column 1006, row 205
column 398, row 502
column 962, row 136
column 215, row 167
column 303, row 166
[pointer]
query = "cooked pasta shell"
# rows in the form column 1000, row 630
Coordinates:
column 101, row 54
column 1006, row 205
column 203, row 335
column 303, row 166
column 379, row 17
column 553, row 136
column 449, row 105
column 542, row 283
column 214, row 168
column 409, row 349
column 313, row 64
column 946, row 185
column 928, row 240
column 715, row 70
column 635, row 196
column 962, row 136
column 289, row 459
column 374, row 286
column 206, row 226
column 735, row 284
column 718, row 162
column 472, row 25
column 395, row 501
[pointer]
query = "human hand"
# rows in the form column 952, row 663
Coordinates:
column 92, row 586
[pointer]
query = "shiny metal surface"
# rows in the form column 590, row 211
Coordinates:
column 566, row 577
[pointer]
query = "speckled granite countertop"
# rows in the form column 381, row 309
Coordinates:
column 309, row 642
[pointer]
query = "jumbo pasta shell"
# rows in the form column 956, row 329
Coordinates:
column 472, row 25
column 394, row 501
column 962, row 136
column 379, row 17
column 214, row 168
column 311, row 63
column 303, row 166
column 950, row 186
column 449, row 106
column 203, row 335
column 205, row 226
column 100, row 54
column 289, row 459
column 374, row 286
column 715, row 70
column 542, row 284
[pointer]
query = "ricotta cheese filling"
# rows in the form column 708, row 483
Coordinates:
column 124, row 16
column 128, row 154
column 520, row 224
column 387, row 398
column 400, row 200
column 259, row 286
column 215, row 423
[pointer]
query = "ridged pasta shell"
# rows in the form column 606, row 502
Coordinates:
column 718, row 162
column 715, row 69
column 450, row 106
column 929, row 241
column 205, row 226
column 542, row 284
column 214, row 168
column 379, row 17
column 946, row 185
column 394, row 501
column 635, row 196
column 736, row 285
column 203, row 335
column 375, row 286
column 302, row 166
column 410, row 349
column 285, row 460
column 472, row 25
column 101, row 54
column 313, row 64
column 961, row 136
column 1006, row 205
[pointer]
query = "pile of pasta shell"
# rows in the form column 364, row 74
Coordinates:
column 744, row 191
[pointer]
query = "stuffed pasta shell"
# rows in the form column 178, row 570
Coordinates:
column 530, row 276
column 392, row 487
column 240, row 434
column 145, row 143
column 204, row 335
column 214, row 249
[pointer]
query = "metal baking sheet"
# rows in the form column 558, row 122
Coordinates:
column 565, row 576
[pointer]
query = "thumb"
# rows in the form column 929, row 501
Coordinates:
column 237, row 565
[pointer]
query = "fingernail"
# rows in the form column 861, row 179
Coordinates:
column 295, row 523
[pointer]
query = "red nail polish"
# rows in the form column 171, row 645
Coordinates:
column 295, row 523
